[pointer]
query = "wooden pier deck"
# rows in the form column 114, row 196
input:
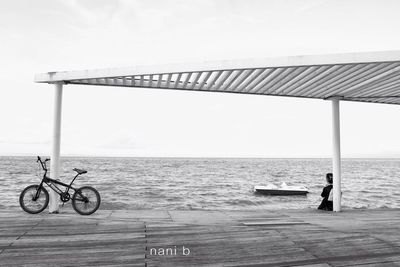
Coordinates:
column 214, row 238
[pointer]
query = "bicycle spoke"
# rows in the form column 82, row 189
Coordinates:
column 86, row 200
column 34, row 204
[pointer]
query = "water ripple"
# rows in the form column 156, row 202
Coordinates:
column 224, row 184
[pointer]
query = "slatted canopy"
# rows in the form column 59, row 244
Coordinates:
column 366, row 77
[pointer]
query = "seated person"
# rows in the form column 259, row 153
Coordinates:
column 327, row 204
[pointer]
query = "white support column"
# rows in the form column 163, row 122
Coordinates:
column 55, row 155
column 336, row 155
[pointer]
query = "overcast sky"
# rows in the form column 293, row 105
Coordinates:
column 40, row 36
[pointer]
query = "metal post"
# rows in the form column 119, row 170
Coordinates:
column 336, row 155
column 55, row 155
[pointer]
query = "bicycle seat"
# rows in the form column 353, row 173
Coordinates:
column 79, row 171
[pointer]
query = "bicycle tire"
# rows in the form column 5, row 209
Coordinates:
column 32, row 189
column 81, row 206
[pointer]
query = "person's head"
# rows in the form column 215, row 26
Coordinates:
column 329, row 178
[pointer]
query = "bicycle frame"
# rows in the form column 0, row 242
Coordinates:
column 51, row 183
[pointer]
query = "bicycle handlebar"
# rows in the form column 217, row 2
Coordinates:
column 42, row 163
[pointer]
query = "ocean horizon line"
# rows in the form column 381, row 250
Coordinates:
column 199, row 157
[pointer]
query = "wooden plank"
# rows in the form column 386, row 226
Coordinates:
column 215, row 238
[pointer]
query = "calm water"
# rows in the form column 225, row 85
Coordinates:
column 227, row 184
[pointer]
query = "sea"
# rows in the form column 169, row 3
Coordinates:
column 210, row 183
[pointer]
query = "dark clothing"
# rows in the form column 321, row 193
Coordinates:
column 325, row 192
column 326, row 204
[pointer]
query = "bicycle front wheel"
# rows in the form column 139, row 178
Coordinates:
column 34, row 199
column 86, row 200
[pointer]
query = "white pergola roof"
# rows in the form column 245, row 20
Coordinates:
column 365, row 77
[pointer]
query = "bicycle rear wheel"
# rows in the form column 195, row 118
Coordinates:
column 29, row 202
column 86, row 200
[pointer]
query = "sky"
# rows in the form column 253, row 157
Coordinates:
column 54, row 35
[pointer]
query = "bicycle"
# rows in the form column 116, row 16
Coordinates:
column 35, row 198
